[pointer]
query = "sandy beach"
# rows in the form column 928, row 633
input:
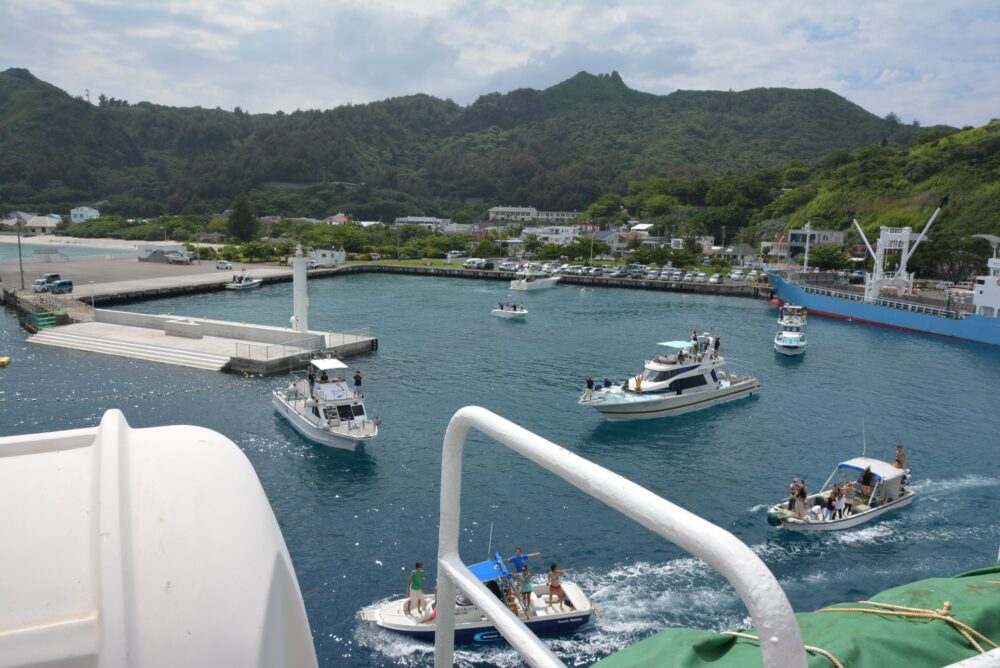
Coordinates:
column 56, row 240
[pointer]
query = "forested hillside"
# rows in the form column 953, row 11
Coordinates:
column 559, row 148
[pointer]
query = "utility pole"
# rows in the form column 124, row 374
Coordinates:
column 20, row 262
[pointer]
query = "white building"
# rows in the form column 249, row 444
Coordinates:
column 82, row 213
column 706, row 243
column 561, row 235
column 529, row 214
column 431, row 223
column 776, row 249
column 797, row 239
column 328, row 257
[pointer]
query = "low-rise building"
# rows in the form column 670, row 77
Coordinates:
column 560, row 235
column 431, row 223
column 328, row 257
column 33, row 224
column 82, row 213
column 797, row 239
column 706, row 243
column 337, row 219
column 776, row 249
column 529, row 214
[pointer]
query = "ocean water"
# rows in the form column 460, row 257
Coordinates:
column 355, row 522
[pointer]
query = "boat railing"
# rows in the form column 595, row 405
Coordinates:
column 768, row 606
column 915, row 307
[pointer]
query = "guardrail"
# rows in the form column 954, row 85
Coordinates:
column 915, row 307
column 772, row 614
column 270, row 351
column 350, row 336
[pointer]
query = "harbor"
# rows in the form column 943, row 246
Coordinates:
column 440, row 350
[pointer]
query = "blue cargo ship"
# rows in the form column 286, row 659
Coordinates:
column 889, row 298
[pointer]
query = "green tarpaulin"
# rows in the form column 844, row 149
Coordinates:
column 857, row 640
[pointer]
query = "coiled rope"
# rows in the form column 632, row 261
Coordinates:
column 808, row 648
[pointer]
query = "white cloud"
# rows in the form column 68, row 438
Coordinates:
column 938, row 63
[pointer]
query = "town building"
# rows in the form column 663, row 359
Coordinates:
column 560, row 235
column 82, row 213
column 529, row 214
column 776, row 249
column 706, row 243
column 328, row 257
column 797, row 239
column 337, row 219
column 431, row 223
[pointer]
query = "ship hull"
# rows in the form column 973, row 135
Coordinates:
column 971, row 328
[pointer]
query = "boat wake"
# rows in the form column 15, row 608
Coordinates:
column 931, row 488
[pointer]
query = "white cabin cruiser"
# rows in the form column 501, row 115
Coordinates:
column 791, row 339
column 244, row 281
column 510, row 311
column 326, row 411
column 530, row 279
column 874, row 488
column 688, row 379
column 472, row 626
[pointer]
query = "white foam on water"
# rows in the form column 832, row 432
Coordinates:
column 930, row 487
column 759, row 507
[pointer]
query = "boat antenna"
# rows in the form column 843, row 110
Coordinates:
column 490, row 545
column 864, row 446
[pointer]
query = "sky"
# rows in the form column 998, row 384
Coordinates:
column 933, row 62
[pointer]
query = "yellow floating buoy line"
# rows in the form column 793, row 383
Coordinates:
column 149, row 394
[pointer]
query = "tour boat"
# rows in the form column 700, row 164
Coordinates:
column 791, row 339
column 510, row 312
column 472, row 626
column 330, row 412
column 243, row 281
column 887, row 490
column 688, row 379
column 530, row 279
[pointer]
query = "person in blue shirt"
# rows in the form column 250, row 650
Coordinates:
column 520, row 560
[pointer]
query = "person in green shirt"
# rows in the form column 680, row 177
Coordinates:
column 524, row 586
column 415, row 590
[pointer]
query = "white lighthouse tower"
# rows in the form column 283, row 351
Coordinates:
column 300, row 292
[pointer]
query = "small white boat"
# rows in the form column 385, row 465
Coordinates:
column 533, row 280
column 244, row 281
column 791, row 338
column 887, row 489
column 509, row 312
column 689, row 379
column 328, row 413
column 471, row 626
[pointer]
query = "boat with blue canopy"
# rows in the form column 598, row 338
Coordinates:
column 542, row 616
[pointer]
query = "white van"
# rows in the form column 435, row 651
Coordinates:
column 473, row 263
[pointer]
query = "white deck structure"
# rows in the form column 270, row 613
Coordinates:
column 142, row 547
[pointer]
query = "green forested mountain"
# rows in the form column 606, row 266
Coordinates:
column 559, row 148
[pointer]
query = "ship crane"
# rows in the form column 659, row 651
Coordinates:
column 899, row 281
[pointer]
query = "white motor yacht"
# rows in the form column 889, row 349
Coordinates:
column 243, row 281
column 533, row 280
column 791, row 339
column 330, row 412
column 543, row 616
column 874, row 487
column 689, row 378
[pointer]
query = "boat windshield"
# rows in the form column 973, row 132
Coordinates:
column 652, row 376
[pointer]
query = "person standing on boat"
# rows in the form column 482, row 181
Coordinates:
column 866, row 481
column 312, row 381
column 848, row 499
column 520, row 560
column 901, row 456
column 800, row 501
column 838, row 503
column 524, row 587
column 415, row 590
column 555, row 586
column 718, row 340
column 357, row 383
column 589, row 392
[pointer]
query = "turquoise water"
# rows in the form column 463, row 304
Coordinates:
column 355, row 522
column 8, row 252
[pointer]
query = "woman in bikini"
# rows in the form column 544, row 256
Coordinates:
column 555, row 587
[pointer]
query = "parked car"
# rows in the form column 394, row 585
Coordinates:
column 678, row 275
column 736, row 275
column 225, row 264
column 715, row 279
column 701, row 277
column 375, row 256
column 689, row 277
column 39, row 285
column 965, row 285
column 63, row 285
column 51, row 278
column 944, row 285
column 619, row 273
column 507, row 266
column 178, row 258
column 457, row 253
column 652, row 273
column 471, row 263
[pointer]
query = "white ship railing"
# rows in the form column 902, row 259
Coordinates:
column 915, row 307
column 781, row 640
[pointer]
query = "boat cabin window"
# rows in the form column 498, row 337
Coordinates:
column 315, row 411
column 687, row 383
column 650, row 376
column 344, row 412
column 330, row 413
column 359, row 410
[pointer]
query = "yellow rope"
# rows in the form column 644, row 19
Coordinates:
column 944, row 614
column 809, row 648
